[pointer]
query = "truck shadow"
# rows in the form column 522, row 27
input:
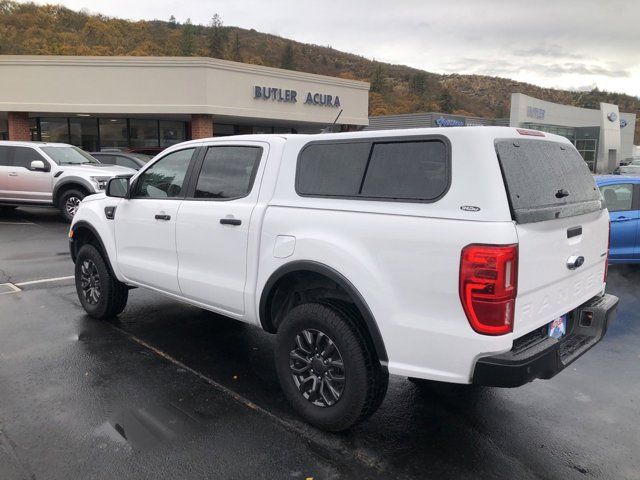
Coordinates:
column 432, row 429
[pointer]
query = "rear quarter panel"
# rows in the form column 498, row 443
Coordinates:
column 403, row 258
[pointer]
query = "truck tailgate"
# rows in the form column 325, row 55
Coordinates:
column 547, row 286
column 562, row 227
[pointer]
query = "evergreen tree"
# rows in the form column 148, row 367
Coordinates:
column 217, row 36
column 447, row 102
column 378, row 80
column 237, row 49
column 418, row 83
column 172, row 22
column 288, row 60
column 187, row 40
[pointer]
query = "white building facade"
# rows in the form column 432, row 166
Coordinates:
column 153, row 102
column 603, row 137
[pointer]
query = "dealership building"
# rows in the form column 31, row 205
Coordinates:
column 153, row 102
column 603, row 136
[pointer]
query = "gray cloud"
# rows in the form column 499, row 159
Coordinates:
column 547, row 42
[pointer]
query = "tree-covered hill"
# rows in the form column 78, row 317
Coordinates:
column 29, row 29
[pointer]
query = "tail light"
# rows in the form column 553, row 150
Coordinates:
column 488, row 287
column 606, row 263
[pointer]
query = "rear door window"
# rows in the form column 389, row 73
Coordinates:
column 23, row 156
column 5, row 156
column 228, row 172
column 546, row 180
column 403, row 169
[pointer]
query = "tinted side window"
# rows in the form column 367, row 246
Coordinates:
column 332, row 168
column 23, row 156
column 618, row 198
column 413, row 170
column 5, row 156
column 165, row 178
column 407, row 170
column 227, row 172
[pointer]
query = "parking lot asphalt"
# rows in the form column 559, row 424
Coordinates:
column 171, row 391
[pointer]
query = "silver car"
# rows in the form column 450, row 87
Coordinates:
column 55, row 174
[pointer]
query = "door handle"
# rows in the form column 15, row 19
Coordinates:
column 623, row 219
column 230, row 221
column 163, row 217
column 13, row 174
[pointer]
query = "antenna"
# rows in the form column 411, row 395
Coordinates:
column 329, row 128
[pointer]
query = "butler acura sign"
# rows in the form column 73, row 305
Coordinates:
column 291, row 96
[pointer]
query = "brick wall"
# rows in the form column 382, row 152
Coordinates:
column 201, row 126
column 18, row 123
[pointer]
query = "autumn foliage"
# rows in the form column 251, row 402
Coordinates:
column 29, row 29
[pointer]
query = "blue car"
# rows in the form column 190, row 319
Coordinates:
column 622, row 197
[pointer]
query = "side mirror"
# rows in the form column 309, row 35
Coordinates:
column 118, row 187
column 39, row 166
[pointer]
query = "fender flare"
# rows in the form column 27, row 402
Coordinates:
column 338, row 278
column 71, row 180
column 74, row 251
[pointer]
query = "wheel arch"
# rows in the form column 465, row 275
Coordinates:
column 280, row 276
column 85, row 233
column 70, row 183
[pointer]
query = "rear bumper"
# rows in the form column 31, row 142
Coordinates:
column 536, row 355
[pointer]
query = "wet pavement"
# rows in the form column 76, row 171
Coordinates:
column 171, row 391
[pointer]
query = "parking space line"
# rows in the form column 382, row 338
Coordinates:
column 45, row 280
column 17, row 223
column 12, row 288
column 359, row 456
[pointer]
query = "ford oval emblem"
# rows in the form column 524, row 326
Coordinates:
column 623, row 123
column 575, row 261
column 613, row 116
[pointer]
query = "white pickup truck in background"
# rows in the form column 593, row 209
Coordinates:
column 472, row 255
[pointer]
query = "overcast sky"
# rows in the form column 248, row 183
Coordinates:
column 570, row 44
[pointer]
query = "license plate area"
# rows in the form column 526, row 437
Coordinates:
column 557, row 328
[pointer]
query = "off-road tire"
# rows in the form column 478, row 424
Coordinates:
column 113, row 294
column 365, row 380
column 65, row 198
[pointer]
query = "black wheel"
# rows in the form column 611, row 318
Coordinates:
column 327, row 369
column 100, row 293
column 69, row 203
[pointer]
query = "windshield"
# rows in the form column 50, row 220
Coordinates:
column 69, row 156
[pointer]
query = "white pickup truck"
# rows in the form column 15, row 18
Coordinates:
column 473, row 255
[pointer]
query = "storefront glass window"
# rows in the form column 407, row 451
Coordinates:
column 113, row 133
column 171, row 132
column 33, row 129
column 84, row 133
column 143, row 133
column 223, row 130
column 54, row 130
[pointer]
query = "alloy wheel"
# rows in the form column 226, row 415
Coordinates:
column 317, row 368
column 71, row 205
column 90, row 282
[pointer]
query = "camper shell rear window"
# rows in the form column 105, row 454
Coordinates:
column 546, row 180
